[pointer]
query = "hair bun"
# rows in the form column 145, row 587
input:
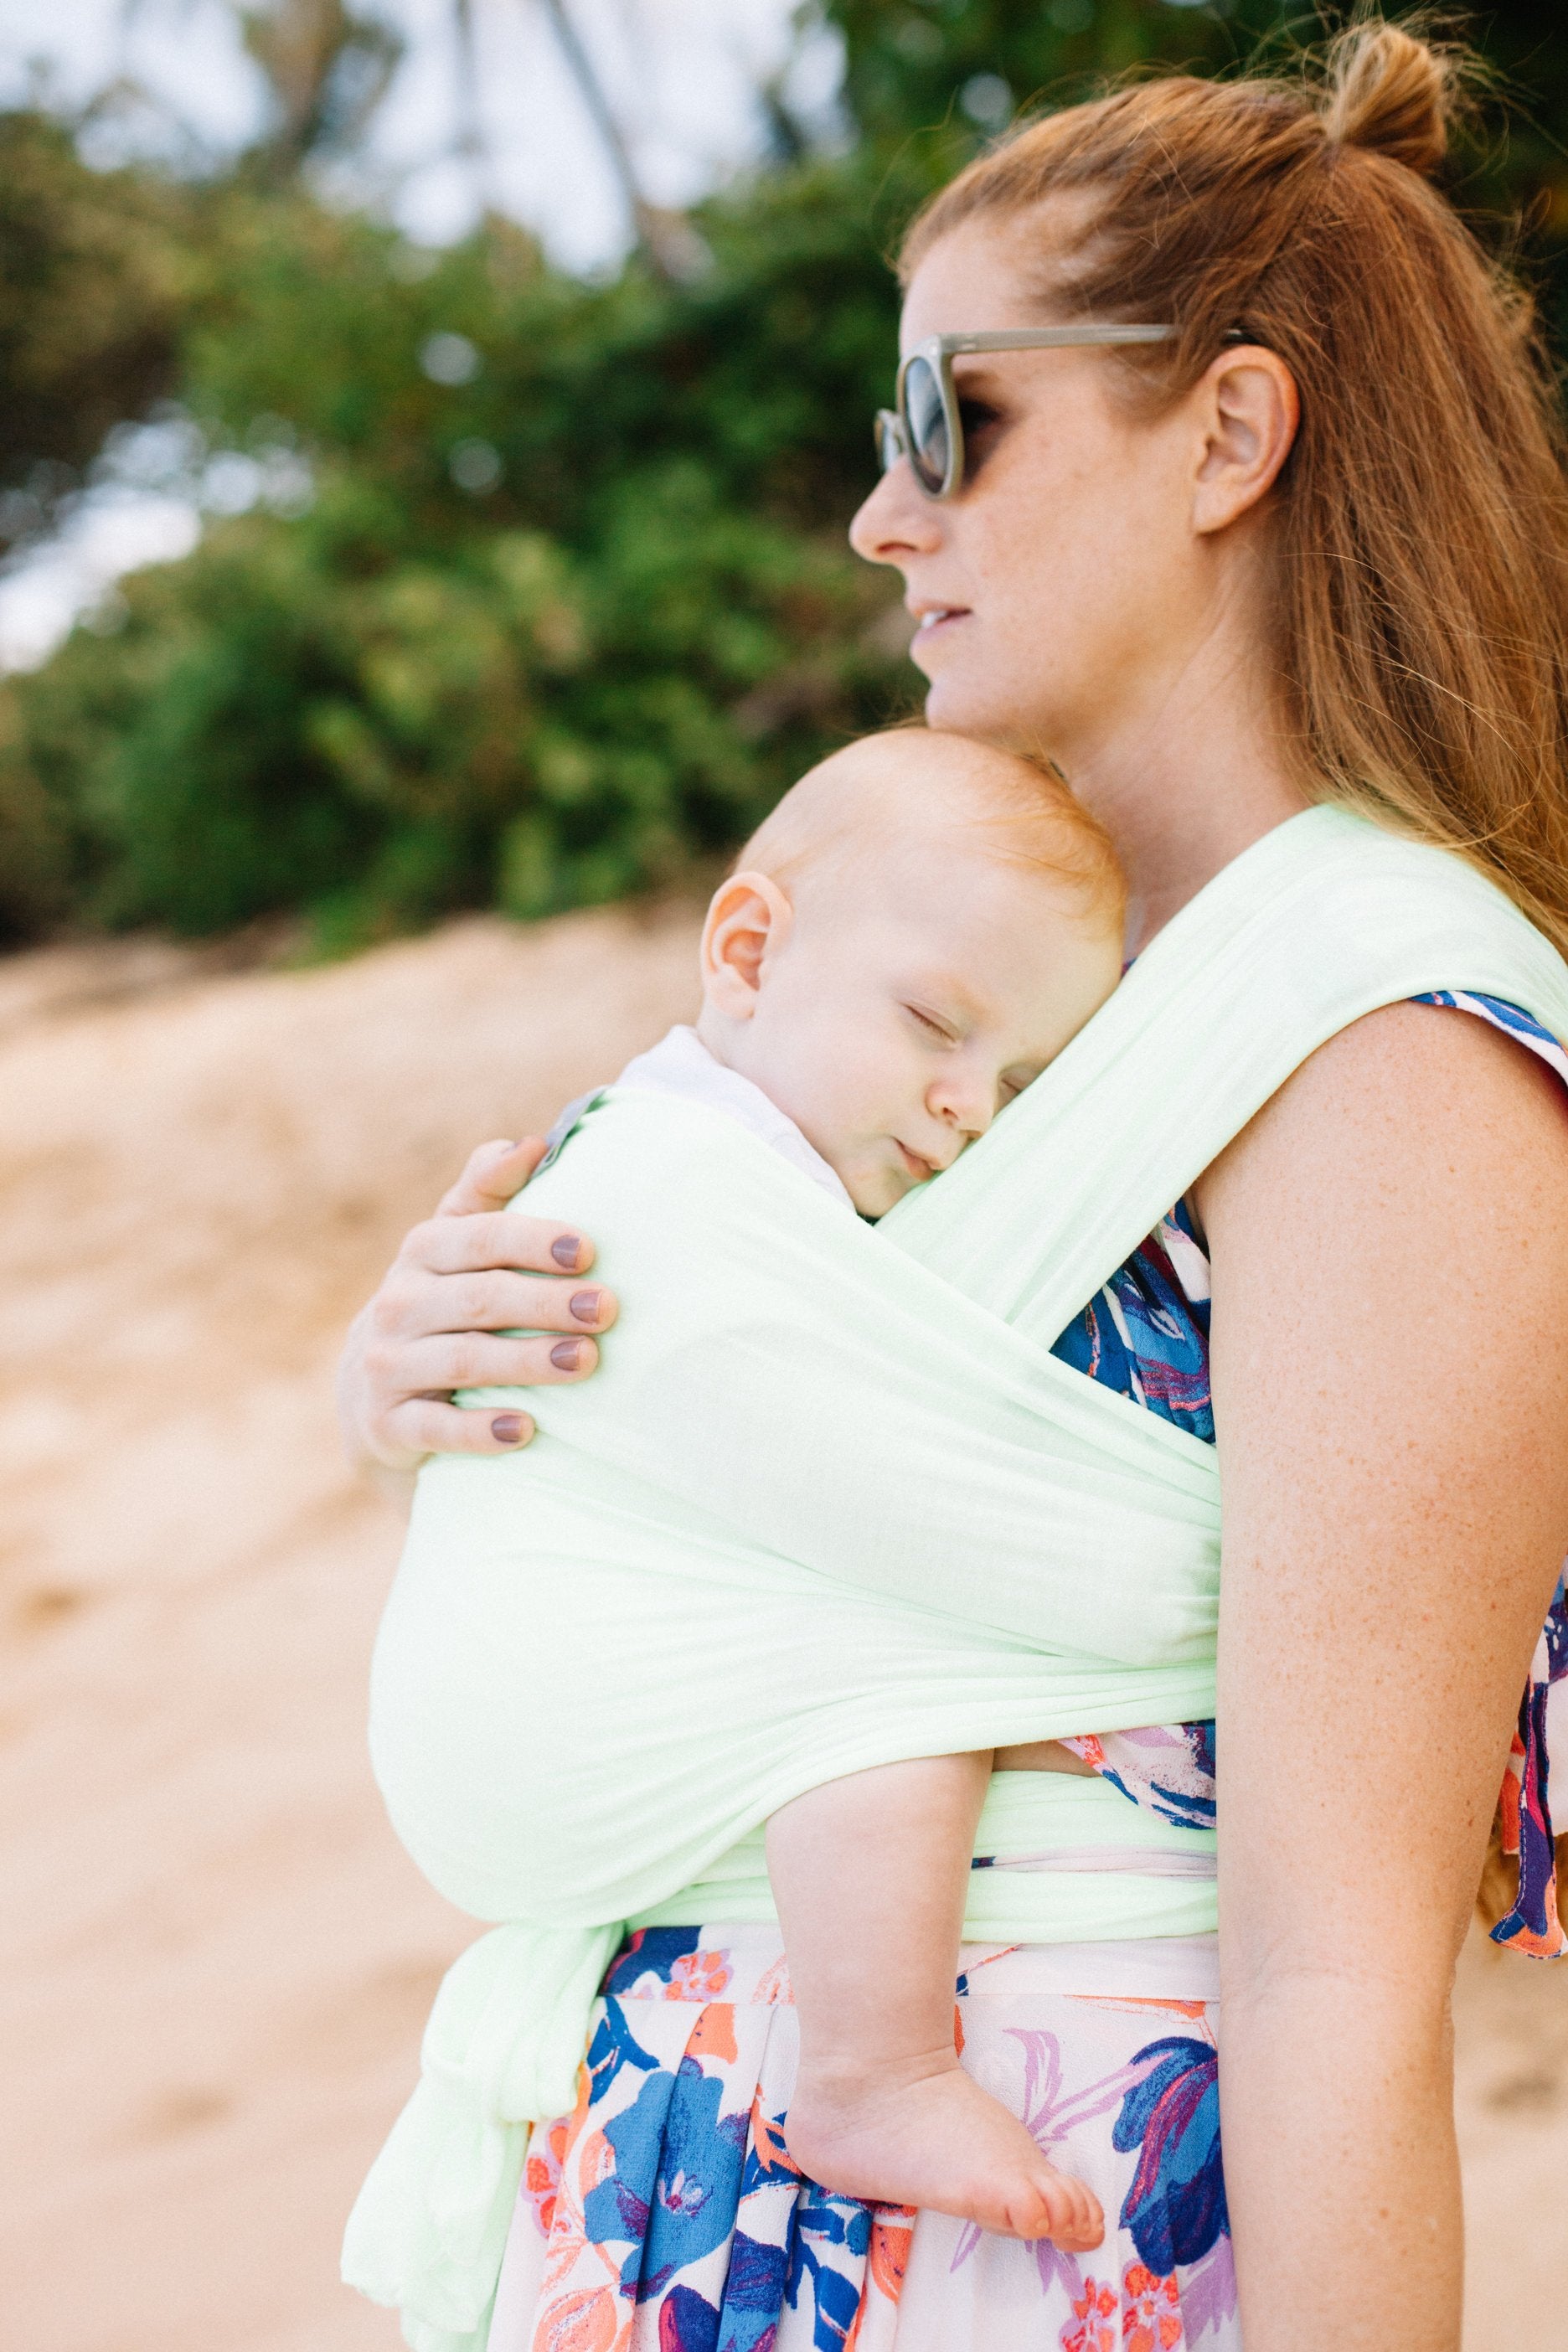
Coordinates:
column 1391, row 93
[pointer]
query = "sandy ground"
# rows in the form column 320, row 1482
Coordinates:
column 215, row 1961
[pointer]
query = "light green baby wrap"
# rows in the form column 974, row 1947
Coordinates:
column 830, row 1502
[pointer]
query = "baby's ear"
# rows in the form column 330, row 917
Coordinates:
column 749, row 919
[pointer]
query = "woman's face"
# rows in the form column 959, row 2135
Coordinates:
column 1062, row 593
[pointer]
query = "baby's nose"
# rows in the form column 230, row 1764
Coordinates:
column 964, row 1103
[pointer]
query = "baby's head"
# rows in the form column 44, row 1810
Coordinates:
column 915, row 931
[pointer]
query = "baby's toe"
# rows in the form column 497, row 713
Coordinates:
column 1027, row 2214
column 1087, row 2228
column 1039, row 2207
column 1077, row 2218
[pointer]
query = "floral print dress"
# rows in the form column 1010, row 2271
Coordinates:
column 664, row 2214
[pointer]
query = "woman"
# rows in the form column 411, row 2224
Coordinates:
column 1315, row 545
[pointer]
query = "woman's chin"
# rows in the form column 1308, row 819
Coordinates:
column 947, row 704
column 961, row 707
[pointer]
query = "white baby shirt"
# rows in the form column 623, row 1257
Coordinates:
column 681, row 1064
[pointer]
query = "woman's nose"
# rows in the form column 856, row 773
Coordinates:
column 897, row 521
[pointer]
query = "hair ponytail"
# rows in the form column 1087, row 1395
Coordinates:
column 1421, row 613
column 1392, row 94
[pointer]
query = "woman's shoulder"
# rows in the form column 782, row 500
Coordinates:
column 1509, row 1021
column 1415, row 1148
column 1413, row 1067
column 1411, row 1073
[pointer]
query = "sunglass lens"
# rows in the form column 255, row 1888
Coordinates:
column 890, row 439
column 927, row 419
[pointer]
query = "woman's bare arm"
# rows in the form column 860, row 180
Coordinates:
column 469, row 1272
column 1390, row 1246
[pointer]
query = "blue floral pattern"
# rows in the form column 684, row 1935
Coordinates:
column 1146, row 1335
column 665, row 2214
column 1176, row 2209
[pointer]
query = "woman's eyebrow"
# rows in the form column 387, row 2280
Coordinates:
column 970, row 371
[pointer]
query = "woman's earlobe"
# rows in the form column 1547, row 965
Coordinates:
column 1252, row 412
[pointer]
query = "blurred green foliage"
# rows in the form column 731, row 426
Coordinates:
column 92, row 291
column 942, row 71
column 541, row 595
column 548, row 630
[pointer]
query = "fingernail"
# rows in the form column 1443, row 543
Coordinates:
column 584, row 1305
column 566, row 1251
column 507, row 1428
column 566, row 1354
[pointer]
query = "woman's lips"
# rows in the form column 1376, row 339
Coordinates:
column 931, row 620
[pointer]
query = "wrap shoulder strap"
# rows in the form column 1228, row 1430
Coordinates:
column 1325, row 919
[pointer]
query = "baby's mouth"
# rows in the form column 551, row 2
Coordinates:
column 920, row 1170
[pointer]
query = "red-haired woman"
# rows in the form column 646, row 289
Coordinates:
column 1314, row 545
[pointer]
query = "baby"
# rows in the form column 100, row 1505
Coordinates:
column 921, row 925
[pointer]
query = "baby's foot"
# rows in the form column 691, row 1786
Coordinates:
column 932, row 2138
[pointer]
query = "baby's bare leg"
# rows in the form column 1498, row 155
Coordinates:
column 869, row 1875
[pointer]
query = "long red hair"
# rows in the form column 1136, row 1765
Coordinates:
column 1421, row 539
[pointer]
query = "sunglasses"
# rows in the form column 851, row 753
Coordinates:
column 926, row 427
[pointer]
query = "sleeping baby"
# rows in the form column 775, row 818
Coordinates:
column 793, row 1530
column 918, row 928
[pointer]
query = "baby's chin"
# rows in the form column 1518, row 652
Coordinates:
column 874, row 1186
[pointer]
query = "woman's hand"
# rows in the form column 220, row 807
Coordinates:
column 469, row 1272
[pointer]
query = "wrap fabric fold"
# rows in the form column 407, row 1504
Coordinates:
column 1122, row 1891
column 832, row 1503
column 442, row 2189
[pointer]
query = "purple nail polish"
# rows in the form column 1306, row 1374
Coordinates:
column 585, row 1306
column 507, row 1428
column 566, row 1354
column 566, row 1251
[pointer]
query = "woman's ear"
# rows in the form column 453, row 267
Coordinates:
column 1249, row 411
column 749, row 919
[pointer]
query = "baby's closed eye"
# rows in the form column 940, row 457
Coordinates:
column 934, row 1024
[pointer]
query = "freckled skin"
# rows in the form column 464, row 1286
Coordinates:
column 1395, row 1513
column 1110, row 573
column 1390, row 1249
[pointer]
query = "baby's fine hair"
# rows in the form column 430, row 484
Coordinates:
column 1009, row 806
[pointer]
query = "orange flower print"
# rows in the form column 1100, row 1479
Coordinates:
column 542, row 2175
column 774, row 1986
column 1150, row 2311
column 541, row 2185
column 584, row 2321
column 593, row 2162
column 1092, row 2327
column 713, row 2035
column 698, row 1976
column 889, row 2248
column 767, row 2144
